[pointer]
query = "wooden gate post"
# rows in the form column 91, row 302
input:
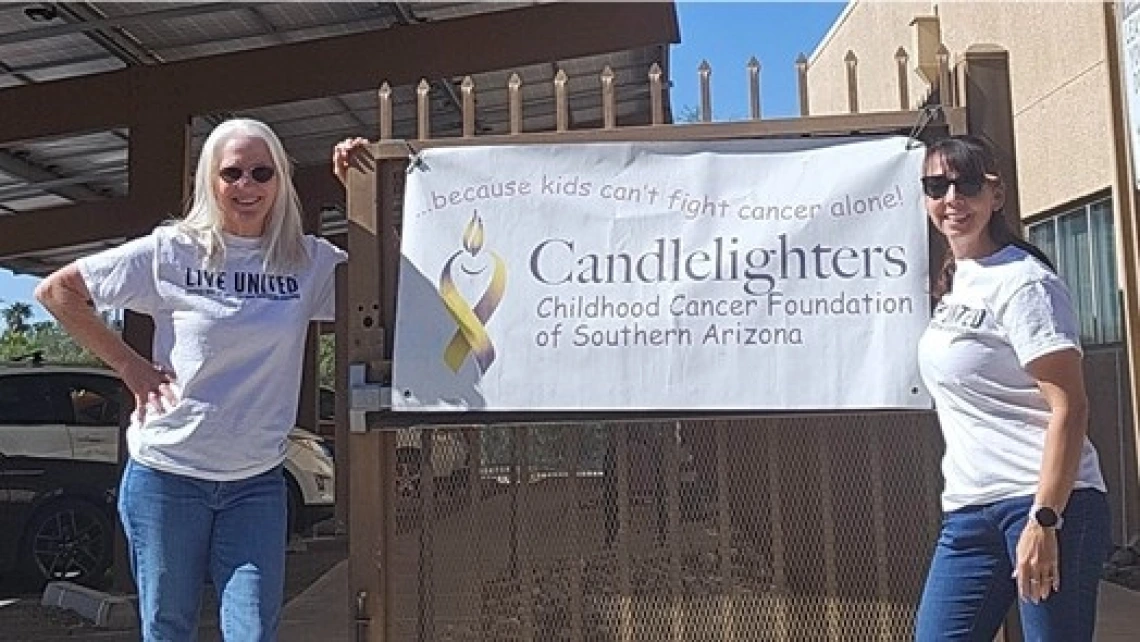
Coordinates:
column 368, row 541
column 158, row 162
column 1124, row 205
column 138, row 333
column 989, row 114
column 341, row 459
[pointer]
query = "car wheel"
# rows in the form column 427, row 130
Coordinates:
column 70, row 540
column 407, row 475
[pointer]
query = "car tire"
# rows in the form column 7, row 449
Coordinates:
column 68, row 539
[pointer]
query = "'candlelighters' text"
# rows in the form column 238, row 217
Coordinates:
column 668, row 260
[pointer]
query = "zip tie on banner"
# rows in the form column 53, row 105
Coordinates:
column 415, row 159
column 925, row 117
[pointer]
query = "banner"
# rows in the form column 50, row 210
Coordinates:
column 787, row 274
column 1129, row 42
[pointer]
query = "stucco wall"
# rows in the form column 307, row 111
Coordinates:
column 1059, row 81
column 873, row 31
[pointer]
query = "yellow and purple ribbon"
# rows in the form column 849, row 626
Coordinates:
column 471, row 335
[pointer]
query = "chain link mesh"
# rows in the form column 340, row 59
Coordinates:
column 807, row 527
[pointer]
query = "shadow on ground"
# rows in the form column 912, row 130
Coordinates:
column 22, row 619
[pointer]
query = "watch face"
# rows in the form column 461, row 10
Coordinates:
column 1046, row 517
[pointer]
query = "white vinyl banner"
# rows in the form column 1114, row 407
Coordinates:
column 785, row 274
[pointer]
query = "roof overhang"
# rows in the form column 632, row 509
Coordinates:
column 101, row 121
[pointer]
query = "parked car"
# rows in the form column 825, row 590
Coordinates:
column 450, row 455
column 57, row 518
column 69, row 415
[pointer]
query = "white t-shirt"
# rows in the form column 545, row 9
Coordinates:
column 234, row 338
column 1004, row 311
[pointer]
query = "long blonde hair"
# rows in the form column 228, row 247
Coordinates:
column 283, row 236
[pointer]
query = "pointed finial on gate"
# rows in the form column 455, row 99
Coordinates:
column 423, row 109
column 754, row 88
column 609, row 102
column 561, row 110
column 945, row 87
column 852, row 62
column 704, row 74
column 656, row 94
column 514, row 94
column 801, row 73
column 384, row 100
column 901, row 59
column 467, row 89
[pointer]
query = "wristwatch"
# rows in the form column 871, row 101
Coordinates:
column 1045, row 517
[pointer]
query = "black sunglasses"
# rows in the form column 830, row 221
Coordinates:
column 261, row 174
column 968, row 186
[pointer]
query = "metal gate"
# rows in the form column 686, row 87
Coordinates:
column 621, row 527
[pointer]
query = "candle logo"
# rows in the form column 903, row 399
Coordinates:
column 472, row 262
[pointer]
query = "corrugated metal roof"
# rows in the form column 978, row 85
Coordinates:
column 51, row 41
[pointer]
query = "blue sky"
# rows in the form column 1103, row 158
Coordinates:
column 726, row 34
column 19, row 288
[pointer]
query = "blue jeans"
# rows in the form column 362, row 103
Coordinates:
column 181, row 530
column 969, row 588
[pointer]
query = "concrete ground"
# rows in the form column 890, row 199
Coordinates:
column 1118, row 614
column 23, row 619
column 318, row 608
column 322, row 612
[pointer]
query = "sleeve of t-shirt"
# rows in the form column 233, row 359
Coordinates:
column 326, row 257
column 1039, row 318
column 123, row 277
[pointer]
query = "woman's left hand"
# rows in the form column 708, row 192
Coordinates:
column 1038, row 571
column 343, row 156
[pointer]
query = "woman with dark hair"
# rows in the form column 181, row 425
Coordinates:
column 1024, row 507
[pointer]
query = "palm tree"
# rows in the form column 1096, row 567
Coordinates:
column 16, row 317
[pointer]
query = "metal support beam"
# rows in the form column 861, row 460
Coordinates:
column 158, row 165
column 401, row 55
column 308, row 398
column 117, row 42
column 43, row 179
column 68, row 28
column 138, row 332
column 93, row 221
column 70, row 225
column 318, row 188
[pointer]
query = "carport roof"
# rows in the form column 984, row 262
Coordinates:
column 63, row 149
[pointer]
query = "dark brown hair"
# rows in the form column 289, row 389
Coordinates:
column 970, row 156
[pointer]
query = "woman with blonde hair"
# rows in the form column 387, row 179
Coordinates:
column 232, row 287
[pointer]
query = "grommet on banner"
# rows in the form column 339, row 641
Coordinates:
column 415, row 159
column 925, row 117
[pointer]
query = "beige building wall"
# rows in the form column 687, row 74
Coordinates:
column 873, row 31
column 1059, row 81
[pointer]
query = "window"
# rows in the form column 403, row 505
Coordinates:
column 1080, row 243
column 59, row 398
column 326, row 408
column 95, row 399
column 31, row 400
